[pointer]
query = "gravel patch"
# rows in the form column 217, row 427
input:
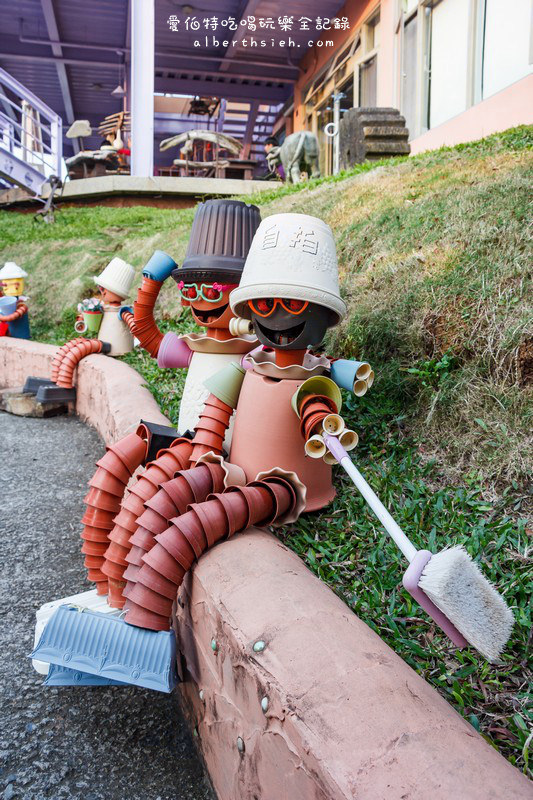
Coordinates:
column 78, row 743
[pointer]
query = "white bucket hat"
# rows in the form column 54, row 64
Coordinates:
column 117, row 277
column 12, row 270
column 292, row 256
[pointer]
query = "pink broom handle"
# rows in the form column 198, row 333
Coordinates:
column 392, row 528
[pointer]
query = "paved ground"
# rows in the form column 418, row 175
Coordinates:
column 100, row 743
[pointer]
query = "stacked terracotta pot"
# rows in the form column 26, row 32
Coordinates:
column 211, row 428
column 144, row 326
column 72, row 357
column 313, row 410
column 172, row 499
column 191, row 534
column 106, row 489
column 168, row 462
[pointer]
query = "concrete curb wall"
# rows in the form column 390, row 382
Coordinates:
column 110, row 395
column 346, row 717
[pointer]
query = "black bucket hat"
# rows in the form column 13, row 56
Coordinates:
column 221, row 235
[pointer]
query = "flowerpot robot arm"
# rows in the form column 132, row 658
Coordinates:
column 141, row 322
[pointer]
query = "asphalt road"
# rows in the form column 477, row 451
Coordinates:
column 98, row 743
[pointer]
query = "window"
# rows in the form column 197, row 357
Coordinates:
column 368, row 73
column 410, row 60
column 448, row 60
column 506, row 41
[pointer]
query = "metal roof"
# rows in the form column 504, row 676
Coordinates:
column 68, row 52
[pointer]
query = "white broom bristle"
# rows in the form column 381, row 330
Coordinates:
column 460, row 590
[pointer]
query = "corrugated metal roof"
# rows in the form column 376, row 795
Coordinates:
column 259, row 73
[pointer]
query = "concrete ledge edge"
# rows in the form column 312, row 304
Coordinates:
column 325, row 710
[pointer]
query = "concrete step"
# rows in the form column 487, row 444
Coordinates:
column 385, row 132
column 381, row 119
column 385, row 148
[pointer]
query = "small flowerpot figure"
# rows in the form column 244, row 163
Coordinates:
column 13, row 309
column 99, row 317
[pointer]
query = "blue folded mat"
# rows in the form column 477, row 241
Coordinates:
column 63, row 676
column 107, row 647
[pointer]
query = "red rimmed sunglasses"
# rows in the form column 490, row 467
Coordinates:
column 266, row 306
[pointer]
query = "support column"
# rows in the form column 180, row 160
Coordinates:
column 142, row 88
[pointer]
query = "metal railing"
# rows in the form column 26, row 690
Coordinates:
column 31, row 138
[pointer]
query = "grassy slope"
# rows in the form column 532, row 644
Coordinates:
column 434, row 265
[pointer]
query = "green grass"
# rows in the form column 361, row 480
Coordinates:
column 434, row 256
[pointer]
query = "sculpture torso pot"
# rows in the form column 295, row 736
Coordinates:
column 115, row 332
column 201, row 367
column 267, row 434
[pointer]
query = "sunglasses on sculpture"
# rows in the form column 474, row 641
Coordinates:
column 210, row 292
column 267, row 305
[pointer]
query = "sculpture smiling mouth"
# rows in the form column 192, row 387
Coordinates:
column 211, row 315
column 281, row 337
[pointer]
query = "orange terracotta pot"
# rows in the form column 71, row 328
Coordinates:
column 142, row 618
column 217, row 477
column 101, row 588
column 214, row 520
column 179, row 491
column 283, row 493
column 193, row 530
column 200, row 481
column 147, row 598
column 131, row 450
column 208, row 439
column 161, row 562
column 175, row 543
column 112, row 570
column 143, row 539
column 162, row 505
column 260, row 503
column 120, row 536
column 215, row 413
column 103, row 479
column 96, row 576
column 94, row 548
column 157, row 583
column 93, row 562
column 135, row 556
column 91, row 534
column 321, row 401
column 168, row 462
column 126, row 519
column 278, row 444
column 130, row 573
column 134, row 504
column 115, row 466
column 214, row 426
column 96, row 518
column 236, row 509
column 155, row 475
column 116, row 598
column 103, row 500
column 117, row 554
column 152, row 521
column 143, row 489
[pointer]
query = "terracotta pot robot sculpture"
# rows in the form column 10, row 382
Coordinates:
column 221, row 234
column 287, row 434
column 13, row 308
column 98, row 316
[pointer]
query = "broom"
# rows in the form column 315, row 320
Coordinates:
column 448, row 585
